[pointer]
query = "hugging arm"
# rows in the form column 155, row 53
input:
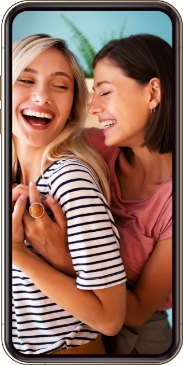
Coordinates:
column 152, row 288
column 102, row 309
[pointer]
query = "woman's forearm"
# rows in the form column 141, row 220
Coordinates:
column 62, row 289
column 64, row 264
column 133, row 310
column 153, row 287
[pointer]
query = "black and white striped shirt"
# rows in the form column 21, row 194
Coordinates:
column 39, row 325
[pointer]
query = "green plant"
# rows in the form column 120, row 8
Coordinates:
column 85, row 48
column 104, row 39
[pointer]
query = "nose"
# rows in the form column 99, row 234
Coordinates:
column 95, row 106
column 41, row 95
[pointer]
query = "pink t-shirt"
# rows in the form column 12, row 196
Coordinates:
column 141, row 223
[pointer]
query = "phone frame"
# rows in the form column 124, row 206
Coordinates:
column 7, row 187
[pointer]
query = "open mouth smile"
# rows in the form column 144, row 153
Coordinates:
column 108, row 123
column 37, row 119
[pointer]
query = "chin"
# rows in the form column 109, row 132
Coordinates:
column 111, row 142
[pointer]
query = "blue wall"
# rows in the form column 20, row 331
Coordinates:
column 93, row 24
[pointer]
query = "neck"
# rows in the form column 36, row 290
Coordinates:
column 152, row 167
column 30, row 161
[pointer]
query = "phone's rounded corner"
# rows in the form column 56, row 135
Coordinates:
column 8, row 351
column 10, row 12
column 177, row 348
column 174, row 14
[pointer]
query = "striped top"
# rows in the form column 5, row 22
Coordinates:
column 39, row 325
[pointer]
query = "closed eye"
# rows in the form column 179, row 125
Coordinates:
column 61, row 87
column 106, row 93
column 26, row 81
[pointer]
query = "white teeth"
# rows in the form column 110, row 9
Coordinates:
column 107, row 123
column 37, row 124
column 33, row 113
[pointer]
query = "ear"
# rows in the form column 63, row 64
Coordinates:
column 155, row 90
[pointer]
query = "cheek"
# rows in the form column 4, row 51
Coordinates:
column 135, row 108
column 15, row 100
column 18, row 97
column 65, row 105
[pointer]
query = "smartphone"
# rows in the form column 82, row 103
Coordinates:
column 87, row 27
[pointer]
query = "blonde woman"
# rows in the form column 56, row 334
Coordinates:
column 54, row 313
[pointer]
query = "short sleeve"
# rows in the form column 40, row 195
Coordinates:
column 92, row 235
column 164, row 223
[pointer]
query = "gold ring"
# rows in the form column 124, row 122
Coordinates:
column 36, row 210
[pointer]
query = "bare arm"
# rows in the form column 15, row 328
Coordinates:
column 153, row 286
column 102, row 309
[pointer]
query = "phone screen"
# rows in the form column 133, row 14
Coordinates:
column 41, row 106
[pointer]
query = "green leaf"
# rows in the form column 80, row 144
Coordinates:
column 84, row 46
column 82, row 43
column 122, row 29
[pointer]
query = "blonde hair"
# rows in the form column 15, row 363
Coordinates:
column 70, row 138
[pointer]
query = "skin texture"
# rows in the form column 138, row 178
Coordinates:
column 39, row 86
column 121, row 99
column 38, row 89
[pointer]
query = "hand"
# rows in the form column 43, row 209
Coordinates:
column 21, row 189
column 17, row 224
column 47, row 237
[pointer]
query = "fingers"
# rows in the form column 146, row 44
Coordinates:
column 22, row 189
column 19, row 209
column 33, row 193
column 45, row 203
column 19, row 190
column 34, row 197
column 17, row 226
column 57, row 211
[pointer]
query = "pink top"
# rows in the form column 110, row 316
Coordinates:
column 141, row 223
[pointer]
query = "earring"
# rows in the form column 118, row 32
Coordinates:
column 152, row 111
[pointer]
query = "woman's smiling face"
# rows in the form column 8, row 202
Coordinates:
column 42, row 98
column 121, row 104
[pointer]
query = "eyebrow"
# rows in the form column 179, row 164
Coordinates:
column 102, row 82
column 30, row 70
column 58, row 73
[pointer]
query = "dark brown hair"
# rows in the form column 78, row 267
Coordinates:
column 143, row 57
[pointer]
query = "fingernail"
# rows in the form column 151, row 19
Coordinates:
column 32, row 183
column 51, row 199
column 23, row 198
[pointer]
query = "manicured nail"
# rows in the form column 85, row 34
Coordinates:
column 51, row 199
column 32, row 183
column 23, row 198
